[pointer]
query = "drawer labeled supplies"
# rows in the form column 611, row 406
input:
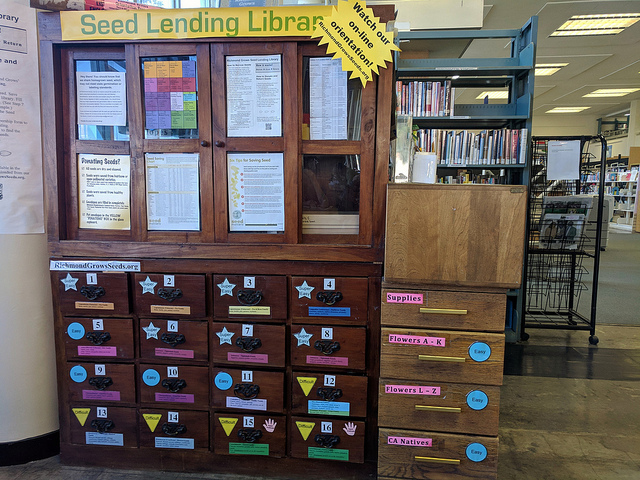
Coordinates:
column 108, row 426
column 93, row 293
column 328, row 347
column 261, row 298
column 450, row 310
column 173, row 339
column 247, row 434
column 106, row 383
column 105, row 338
column 185, row 386
column 438, row 406
column 174, row 429
column 327, row 439
column 170, row 296
column 441, row 355
column 248, row 344
column 329, row 395
column 436, row 456
column 254, row 390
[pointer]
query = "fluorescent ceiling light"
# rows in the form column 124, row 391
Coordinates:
column 608, row 24
column 493, row 94
column 611, row 92
column 544, row 69
column 566, row 109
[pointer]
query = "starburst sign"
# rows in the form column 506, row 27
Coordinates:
column 354, row 35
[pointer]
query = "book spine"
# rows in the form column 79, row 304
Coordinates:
column 522, row 158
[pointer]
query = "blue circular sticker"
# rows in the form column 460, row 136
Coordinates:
column 479, row 351
column 223, row 381
column 78, row 374
column 75, row 330
column 151, row 377
column 476, row 452
column 477, row 400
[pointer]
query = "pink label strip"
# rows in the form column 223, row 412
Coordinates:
column 411, row 390
column 415, row 298
column 92, row 395
column 175, row 397
column 91, row 351
column 333, row 361
column 248, row 357
column 168, row 352
column 416, row 340
column 410, row 441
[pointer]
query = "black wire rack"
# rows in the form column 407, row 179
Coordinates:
column 564, row 229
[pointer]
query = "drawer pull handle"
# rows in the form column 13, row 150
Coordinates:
column 249, row 297
column 92, row 292
column 100, row 383
column 250, row 435
column 102, row 425
column 174, row 385
column 326, row 347
column 173, row 339
column 248, row 344
column 329, row 394
column 438, row 358
column 169, row 294
column 433, row 408
column 98, row 338
column 173, row 429
column 327, row 441
column 246, row 391
column 448, row 461
column 329, row 298
column 444, row 311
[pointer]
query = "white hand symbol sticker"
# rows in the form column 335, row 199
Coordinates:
column 269, row 425
column 350, row 429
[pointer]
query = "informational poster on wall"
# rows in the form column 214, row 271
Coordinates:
column 21, row 204
column 101, row 98
column 327, row 99
column 173, row 194
column 104, row 191
column 254, row 96
column 256, row 192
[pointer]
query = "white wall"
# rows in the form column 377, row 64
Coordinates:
column 550, row 125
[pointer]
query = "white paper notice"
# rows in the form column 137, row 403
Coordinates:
column 102, row 98
column 104, row 182
column 256, row 192
column 327, row 100
column 21, row 204
column 254, row 96
column 563, row 160
column 173, row 193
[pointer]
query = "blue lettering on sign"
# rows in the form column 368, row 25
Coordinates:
column 151, row 377
column 75, row 330
column 329, row 311
column 476, row 452
column 78, row 374
column 223, row 381
column 477, row 400
column 479, row 351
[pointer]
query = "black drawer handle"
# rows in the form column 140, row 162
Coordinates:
column 98, row 338
column 102, row 425
column 249, row 297
column 248, row 344
column 170, row 294
column 329, row 394
column 173, row 429
column 100, row 383
column 92, row 292
column 327, row 347
column 329, row 298
column 173, row 339
column 174, row 385
column 246, row 391
column 250, row 435
column 327, row 441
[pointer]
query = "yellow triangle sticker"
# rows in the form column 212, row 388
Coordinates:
column 152, row 420
column 305, row 429
column 306, row 383
column 228, row 424
column 81, row 414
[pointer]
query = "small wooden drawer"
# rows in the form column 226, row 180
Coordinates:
column 248, row 344
column 103, row 338
column 239, row 434
column 327, row 439
column 328, row 347
column 436, row 456
column 93, row 293
column 174, row 429
column 173, row 339
column 329, row 395
column 241, row 297
column 335, row 300
column 451, row 310
column 170, row 296
column 107, row 383
column 441, row 407
column 441, row 355
column 182, row 386
column 108, row 426
column 255, row 390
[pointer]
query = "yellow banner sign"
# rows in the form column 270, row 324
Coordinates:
column 192, row 23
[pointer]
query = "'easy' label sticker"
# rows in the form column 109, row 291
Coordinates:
column 78, row 374
column 477, row 400
column 479, row 351
column 151, row 377
column 75, row 330
column 223, row 381
column 476, row 452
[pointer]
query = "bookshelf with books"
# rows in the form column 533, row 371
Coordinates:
column 622, row 184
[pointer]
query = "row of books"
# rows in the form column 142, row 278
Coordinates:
column 425, row 99
column 486, row 147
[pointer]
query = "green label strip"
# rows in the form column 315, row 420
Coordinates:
column 329, row 453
